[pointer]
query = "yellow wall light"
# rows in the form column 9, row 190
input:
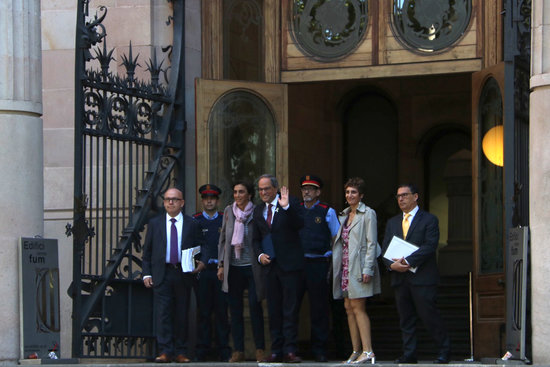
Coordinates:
column 493, row 145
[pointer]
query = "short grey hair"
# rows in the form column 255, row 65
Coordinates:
column 272, row 178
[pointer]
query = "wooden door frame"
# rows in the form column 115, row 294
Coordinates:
column 208, row 92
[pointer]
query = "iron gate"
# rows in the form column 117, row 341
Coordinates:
column 129, row 137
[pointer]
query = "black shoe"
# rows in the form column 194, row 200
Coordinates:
column 198, row 358
column 443, row 358
column 320, row 358
column 273, row 358
column 405, row 359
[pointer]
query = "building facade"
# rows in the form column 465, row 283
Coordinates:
column 389, row 91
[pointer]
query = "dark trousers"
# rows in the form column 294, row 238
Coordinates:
column 282, row 304
column 239, row 279
column 172, row 302
column 315, row 282
column 212, row 301
column 415, row 302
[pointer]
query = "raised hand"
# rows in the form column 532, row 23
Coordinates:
column 283, row 199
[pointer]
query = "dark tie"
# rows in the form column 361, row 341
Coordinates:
column 269, row 215
column 173, row 242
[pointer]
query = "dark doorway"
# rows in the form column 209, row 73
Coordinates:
column 371, row 151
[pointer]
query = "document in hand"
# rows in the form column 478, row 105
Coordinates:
column 267, row 246
column 188, row 258
column 399, row 248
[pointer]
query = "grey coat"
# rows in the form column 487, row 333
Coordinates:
column 363, row 251
column 224, row 251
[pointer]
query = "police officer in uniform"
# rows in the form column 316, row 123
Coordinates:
column 320, row 227
column 210, row 298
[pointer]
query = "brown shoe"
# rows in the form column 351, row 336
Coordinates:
column 237, row 356
column 260, row 355
column 291, row 358
column 182, row 359
column 163, row 358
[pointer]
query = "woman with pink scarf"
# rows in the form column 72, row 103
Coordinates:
column 238, row 270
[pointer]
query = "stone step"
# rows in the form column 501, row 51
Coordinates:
column 306, row 363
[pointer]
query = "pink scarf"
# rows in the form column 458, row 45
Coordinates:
column 238, row 230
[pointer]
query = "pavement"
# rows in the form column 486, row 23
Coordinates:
column 140, row 363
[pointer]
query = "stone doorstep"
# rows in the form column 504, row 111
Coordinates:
column 141, row 363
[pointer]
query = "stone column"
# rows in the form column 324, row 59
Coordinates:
column 539, row 179
column 21, row 154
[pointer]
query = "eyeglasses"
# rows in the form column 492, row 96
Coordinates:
column 174, row 200
column 403, row 195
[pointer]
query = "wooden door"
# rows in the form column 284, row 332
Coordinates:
column 489, row 240
column 242, row 132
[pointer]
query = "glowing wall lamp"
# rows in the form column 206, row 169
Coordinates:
column 493, row 145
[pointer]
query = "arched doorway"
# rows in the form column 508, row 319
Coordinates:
column 447, row 156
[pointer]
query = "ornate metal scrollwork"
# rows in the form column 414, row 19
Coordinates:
column 123, row 105
column 524, row 29
column 124, row 127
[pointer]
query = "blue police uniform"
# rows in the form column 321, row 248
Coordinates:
column 320, row 225
column 210, row 298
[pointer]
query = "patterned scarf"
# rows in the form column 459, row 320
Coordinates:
column 238, row 230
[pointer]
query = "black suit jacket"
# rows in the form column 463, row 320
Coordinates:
column 284, row 234
column 424, row 233
column 154, row 251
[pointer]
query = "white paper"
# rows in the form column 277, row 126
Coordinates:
column 399, row 248
column 188, row 258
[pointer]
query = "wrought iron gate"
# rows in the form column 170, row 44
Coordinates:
column 129, row 137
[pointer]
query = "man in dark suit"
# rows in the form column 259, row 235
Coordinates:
column 278, row 247
column 416, row 292
column 167, row 235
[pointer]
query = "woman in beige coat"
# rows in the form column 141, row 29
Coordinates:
column 355, row 269
column 238, row 269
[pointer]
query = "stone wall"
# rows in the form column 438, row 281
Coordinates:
column 21, row 154
column 539, row 180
